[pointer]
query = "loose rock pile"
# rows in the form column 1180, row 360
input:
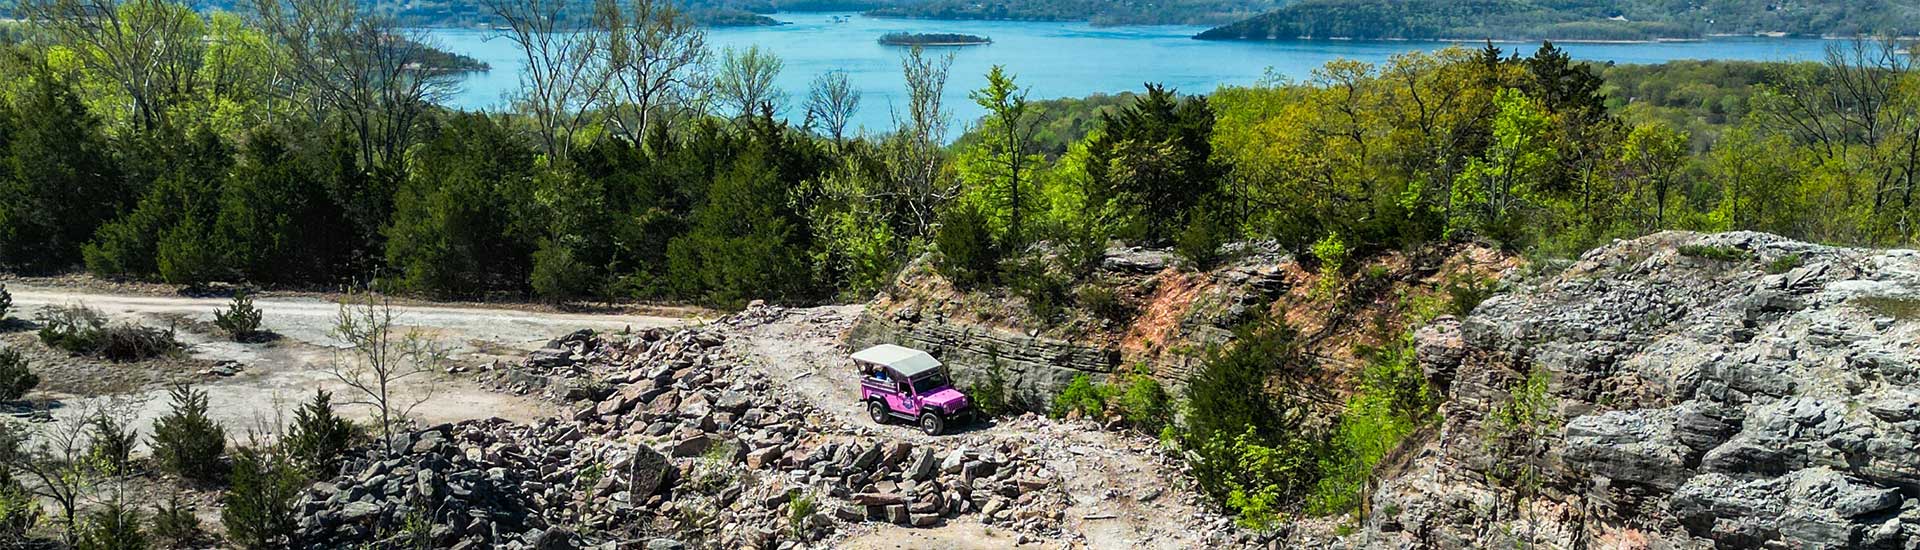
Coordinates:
column 685, row 442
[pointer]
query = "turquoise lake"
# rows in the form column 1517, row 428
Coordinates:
column 1058, row 59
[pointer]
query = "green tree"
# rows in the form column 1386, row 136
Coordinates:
column 58, row 178
column 15, row 378
column 1495, row 192
column 318, row 438
column 1010, row 137
column 258, row 508
column 186, row 441
column 968, row 254
column 1652, row 156
column 462, row 219
column 1156, row 157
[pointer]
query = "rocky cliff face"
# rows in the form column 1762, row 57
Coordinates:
column 1735, row 390
column 1161, row 317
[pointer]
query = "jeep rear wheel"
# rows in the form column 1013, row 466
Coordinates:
column 878, row 410
column 932, row 424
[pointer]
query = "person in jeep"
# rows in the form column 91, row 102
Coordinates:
column 905, row 383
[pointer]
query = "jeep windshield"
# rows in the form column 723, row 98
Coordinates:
column 929, row 381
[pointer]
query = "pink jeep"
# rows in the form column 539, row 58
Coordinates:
column 909, row 384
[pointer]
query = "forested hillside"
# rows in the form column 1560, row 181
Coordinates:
column 1183, row 12
column 305, row 146
column 1569, row 19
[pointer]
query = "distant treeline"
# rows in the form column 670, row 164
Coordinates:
column 1566, row 19
column 931, row 39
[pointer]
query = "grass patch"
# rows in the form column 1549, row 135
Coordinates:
column 1717, row 253
column 1784, row 264
column 1904, row 309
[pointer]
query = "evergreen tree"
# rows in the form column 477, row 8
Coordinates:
column 1156, row 156
column 58, row 179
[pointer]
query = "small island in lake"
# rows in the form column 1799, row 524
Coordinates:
column 932, row 39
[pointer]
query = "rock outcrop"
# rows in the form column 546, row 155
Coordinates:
column 1735, row 390
column 683, row 441
column 1139, row 308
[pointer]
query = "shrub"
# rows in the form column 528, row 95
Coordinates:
column 968, row 256
column 1465, row 292
column 113, row 526
column 1717, row 253
column 111, row 440
column 19, row 509
column 241, row 320
column 990, row 396
column 1779, row 265
column 1251, row 450
column 1144, row 404
column 1081, row 396
column 175, row 523
column 1392, row 401
column 318, row 437
column 77, row 329
column 1104, row 303
column 6, row 301
column 187, row 442
column 15, row 378
column 1199, row 242
column 258, row 509
column 82, row 330
column 1044, row 291
column 801, row 507
column 1332, row 254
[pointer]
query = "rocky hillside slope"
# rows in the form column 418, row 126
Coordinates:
column 1735, row 390
column 1144, row 308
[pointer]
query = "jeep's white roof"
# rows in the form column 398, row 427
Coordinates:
column 904, row 361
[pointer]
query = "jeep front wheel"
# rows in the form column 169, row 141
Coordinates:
column 932, row 424
column 878, row 410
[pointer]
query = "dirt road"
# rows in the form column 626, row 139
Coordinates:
column 279, row 374
column 1122, row 496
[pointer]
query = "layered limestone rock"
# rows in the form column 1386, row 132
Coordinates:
column 1735, row 390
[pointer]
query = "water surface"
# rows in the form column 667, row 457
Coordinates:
column 1059, row 59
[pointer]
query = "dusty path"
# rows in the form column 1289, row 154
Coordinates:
column 1122, row 495
column 279, row 374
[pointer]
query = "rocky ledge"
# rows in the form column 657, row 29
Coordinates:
column 1735, row 390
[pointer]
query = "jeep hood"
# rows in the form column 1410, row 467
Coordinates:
column 946, row 398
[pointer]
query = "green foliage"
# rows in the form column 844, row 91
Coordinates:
column 1516, row 431
column 1783, row 264
column 1715, row 253
column 111, row 439
column 1143, row 403
column 85, row 331
column 968, row 254
column 1560, row 20
column 16, row 379
column 1082, row 397
column 185, row 441
column 1155, row 158
column 1252, row 451
column 112, row 526
column 989, row 396
column 799, row 508
column 1199, row 243
column 1104, row 303
column 58, row 178
column 456, row 228
column 174, row 522
column 1332, row 254
column 258, row 508
column 318, row 438
column 1495, row 194
column 241, row 320
column 19, row 509
column 1391, row 402
column 1465, row 291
